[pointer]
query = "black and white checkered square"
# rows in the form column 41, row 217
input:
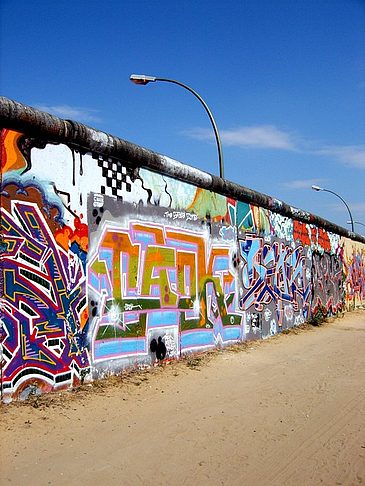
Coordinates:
column 117, row 177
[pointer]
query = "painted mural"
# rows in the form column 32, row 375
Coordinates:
column 105, row 266
column 275, row 284
column 354, row 274
column 43, row 279
column 158, row 273
column 327, row 284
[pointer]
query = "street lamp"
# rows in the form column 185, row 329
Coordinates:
column 317, row 188
column 143, row 79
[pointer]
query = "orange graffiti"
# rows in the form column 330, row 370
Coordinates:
column 323, row 240
column 83, row 318
column 308, row 236
column 301, row 233
column 11, row 156
column 66, row 236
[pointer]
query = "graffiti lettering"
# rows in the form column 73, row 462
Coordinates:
column 44, row 302
column 273, row 274
column 327, row 284
column 160, row 276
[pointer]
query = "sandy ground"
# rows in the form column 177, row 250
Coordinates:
column 286, row 411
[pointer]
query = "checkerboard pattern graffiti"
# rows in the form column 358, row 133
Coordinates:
column 117, row 177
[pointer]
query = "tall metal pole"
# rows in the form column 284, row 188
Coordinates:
column 143, row 79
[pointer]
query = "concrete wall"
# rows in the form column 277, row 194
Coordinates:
column 106, row 247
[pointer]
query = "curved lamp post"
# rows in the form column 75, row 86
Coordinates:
column 317, row 188
column 143, row 79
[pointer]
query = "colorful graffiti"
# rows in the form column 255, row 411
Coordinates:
column 318, row 239
column 275, row 284
column 12, row 158
column 44, row 316
column 146, row 277
column 43, row 304
column 354, row 271
column 327, row 284
column 250, row 218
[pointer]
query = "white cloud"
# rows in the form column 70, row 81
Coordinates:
column 72, row 112
column 264, row 136
column 271, row 137
column 303, row 183
column 353, row 155
column 258, row 136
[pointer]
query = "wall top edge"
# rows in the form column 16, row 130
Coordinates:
column 17, row 116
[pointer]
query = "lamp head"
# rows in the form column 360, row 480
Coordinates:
column 142, row 79
column 317, row 188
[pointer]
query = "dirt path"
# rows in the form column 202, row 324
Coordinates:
column 287, row 411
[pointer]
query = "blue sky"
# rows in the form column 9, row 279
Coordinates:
column 285, row 80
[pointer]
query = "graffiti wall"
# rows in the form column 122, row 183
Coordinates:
column 106, row 265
